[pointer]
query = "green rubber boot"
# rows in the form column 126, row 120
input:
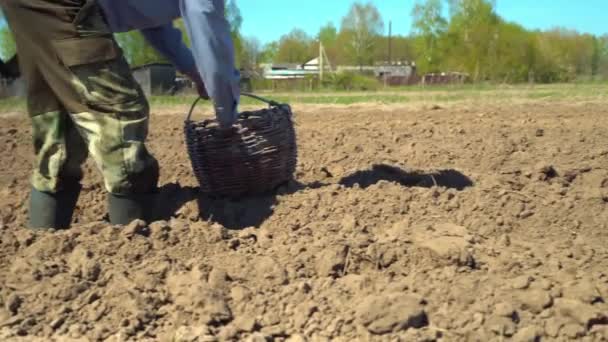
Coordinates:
column 49, row 210
column 126, row 209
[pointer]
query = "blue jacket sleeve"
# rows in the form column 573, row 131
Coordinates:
column 167, row 40
column 128, row 15
column 213, row 51
column 154, row 18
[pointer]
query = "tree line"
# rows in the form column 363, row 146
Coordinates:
column 472, row 38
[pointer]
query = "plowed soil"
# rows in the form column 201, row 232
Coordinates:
column 440, row 223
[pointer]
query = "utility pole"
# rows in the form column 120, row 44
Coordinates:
column 321, row 64
column 390, row 43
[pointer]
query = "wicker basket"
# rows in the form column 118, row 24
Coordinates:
column 256, row 157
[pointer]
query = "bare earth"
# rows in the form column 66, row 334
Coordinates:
column 459, row 222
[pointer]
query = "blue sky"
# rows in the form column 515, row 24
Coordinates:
column 269, row 19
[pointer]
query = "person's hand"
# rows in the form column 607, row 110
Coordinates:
column 200, row 85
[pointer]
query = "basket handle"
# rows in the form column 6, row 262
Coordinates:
column 271, row 103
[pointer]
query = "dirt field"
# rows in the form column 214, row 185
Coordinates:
column 483, row 221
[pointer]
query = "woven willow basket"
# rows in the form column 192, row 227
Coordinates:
column 255, row 157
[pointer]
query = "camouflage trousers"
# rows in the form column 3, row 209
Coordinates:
column 82, row 97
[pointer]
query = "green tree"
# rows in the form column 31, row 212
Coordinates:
column 328, row 36
column 514, row 54
column 565, row 54
column 596, row 56
column 269, row 52
column 7, row 43
column 472, row 37
column 182, row 27
column 235, row 19
column 360, row 28
column 602, row 45
column 429, row 27
column 250, row 55
column 403, row 49
column 137, row 50
column 295, row 47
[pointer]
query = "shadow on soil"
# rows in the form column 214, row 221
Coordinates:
column 252, row 211
column 234, row 214
column 450, row 179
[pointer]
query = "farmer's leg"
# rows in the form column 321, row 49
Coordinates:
column 76, row 55
column 59, row 150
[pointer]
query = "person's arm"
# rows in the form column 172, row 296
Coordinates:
column 154, row 19
column 213, row 51
column 167, row 40
column 129, row 15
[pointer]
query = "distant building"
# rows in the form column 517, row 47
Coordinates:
column 285, row 66
column 312, row 65
column 12, row 88
column 396, row 74
column 10, row 69
column 156, row 78
column 445, row 78
column 11, row 82
column 393, row 74
column 281, row 71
